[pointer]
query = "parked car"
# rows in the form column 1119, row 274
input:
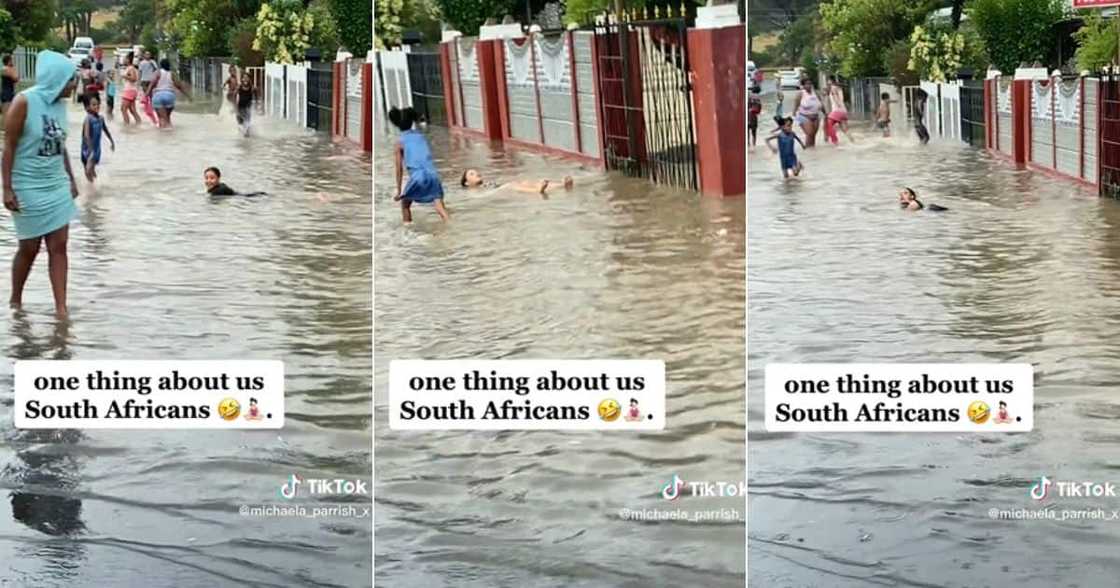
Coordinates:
column 790, row 79
column 77, row 54
column 83, row 43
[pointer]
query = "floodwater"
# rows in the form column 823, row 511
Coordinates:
column 617, row 268
column 161, row 271
column 1023, row 268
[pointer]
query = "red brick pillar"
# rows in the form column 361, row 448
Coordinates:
column 719, row 106
column 989, row 123
column 445, row 73
column 1021, row 121
column 489, row 84
column 367, row 107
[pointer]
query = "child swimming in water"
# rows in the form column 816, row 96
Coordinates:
column 786, row 138
column 472, row 178
column 413, row 153
column 908, row 200
column 91, row 136
column 212, row 177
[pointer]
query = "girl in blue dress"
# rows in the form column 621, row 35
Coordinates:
column 786, row 139
column 413, row 153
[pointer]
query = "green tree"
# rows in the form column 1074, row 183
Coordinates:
column 75, row 16
column 324, row 29
column 387, row 27
column 352, row 20
column 284, row 31
column 1016, row 31
column 861, row 30
column 1097, row 43
column 466, row 16
column 9, row 38
column 32, row 20
column 798, row 39
column 936, row 52
column 135, row 15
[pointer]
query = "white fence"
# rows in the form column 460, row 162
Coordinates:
column 396, row 89
column 25, row 61
column 286, row 95
column 354, row 69
column 943, row 109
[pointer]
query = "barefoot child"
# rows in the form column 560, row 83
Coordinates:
column 91, row 136
column 414, row 154
column 786, row 139
column 754, row 109
column 473, row 179
column 883, row 117
column 245, row 104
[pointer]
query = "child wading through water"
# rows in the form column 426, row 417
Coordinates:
column 110, row 93
column 91, row 136
column 786, row 139
column 753, row 111
column 414, row 154
column 883, row 117
column 472, row 178
column 244, row 104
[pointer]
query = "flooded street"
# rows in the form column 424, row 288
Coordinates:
column 1022, row 268
column 158, row 270
column 617, row 268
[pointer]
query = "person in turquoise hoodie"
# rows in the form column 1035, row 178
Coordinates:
column 39, row 186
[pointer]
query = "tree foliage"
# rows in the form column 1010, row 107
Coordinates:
column 467, row 16
column 352, row 20
column 936, row 52
column 798, row 39
column 1097, row 43
column 135, row 15
column 1016, row 31
column 387, row 26
column 860, row 31
column 203, row 27
column 284, row 31
column 9, row 39
column 32, row 20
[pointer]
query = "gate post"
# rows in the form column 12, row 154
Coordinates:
column 488, row 85
column 719, row 92
column 445, row 73
column 338, row 96
column 1020, row 121
column 367, row 106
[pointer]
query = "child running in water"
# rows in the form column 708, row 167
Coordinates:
column 413, row 153
column 245, row 104
column 110, row 93
column 91, row 136
column 754, row 109
column 786, row 139
column 473, row 179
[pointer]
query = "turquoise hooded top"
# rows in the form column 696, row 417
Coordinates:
column 39, row 176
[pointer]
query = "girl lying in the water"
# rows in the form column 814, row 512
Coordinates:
column 212, row 177
column 908, row 200
column 473, row 179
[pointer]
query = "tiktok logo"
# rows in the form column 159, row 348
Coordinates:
column 288, row 490
column 672, row 490
column 1041, row 489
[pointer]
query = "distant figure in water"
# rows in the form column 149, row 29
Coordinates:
column 908, row 200
column 472, row 178
column 413, row 153
column 212, row 177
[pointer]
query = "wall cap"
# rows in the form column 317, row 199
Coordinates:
column 716, row 17
column 501, row 31
column 1031, row 73
column 450, row 35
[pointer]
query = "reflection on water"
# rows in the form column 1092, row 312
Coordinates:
column 617, row 268
column 1023, row 268
column 159, row 271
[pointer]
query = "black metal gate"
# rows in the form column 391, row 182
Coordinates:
column 1110, row 135
column 320, row 95
column 972, row 114
column 426, row 81
column 646, row 97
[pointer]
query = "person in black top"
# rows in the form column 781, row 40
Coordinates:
column 8, row 80
column 908, row 200
column 244, row 104
column 212, row 177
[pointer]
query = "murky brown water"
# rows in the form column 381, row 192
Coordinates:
column 617, row 268
column 1023, row 268
column 160, row 271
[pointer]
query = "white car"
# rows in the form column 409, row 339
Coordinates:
column 83, row 43
column 77, row 54
column 790, row 79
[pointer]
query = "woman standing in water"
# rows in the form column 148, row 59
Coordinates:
column 162, row 92
column 8, row 80
column 39, row 186
column 128, row 94
column 808, row 108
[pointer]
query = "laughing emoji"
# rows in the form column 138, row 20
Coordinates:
column 609, row 410
column 978, row 412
